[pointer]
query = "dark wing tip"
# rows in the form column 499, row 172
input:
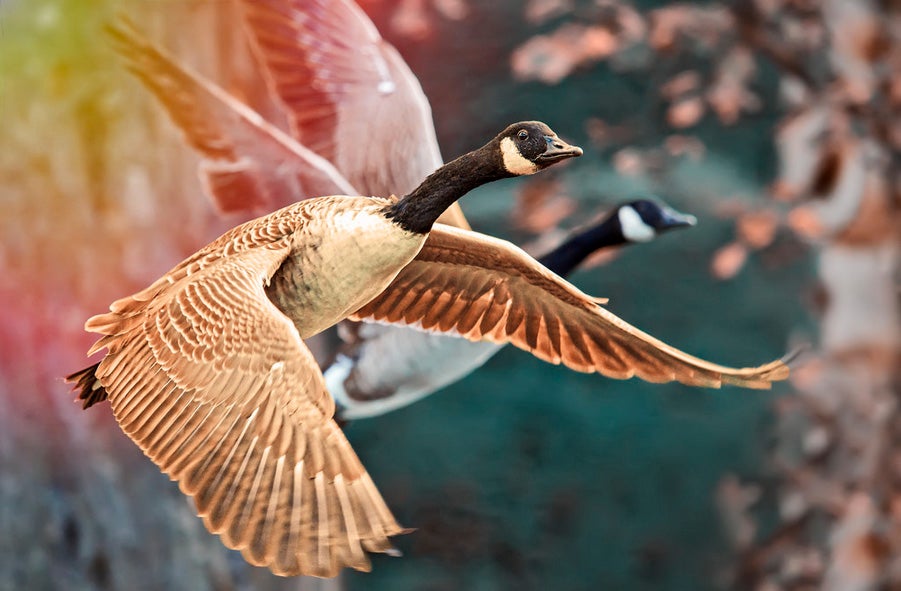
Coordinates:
column 90, row 390
column 797, row 355
column 761, row 377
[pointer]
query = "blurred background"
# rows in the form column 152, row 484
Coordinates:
column 776, row 122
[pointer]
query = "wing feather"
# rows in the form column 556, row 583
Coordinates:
column 503, row 295
column 337, row 91
column 215, row 385
column 249, row 164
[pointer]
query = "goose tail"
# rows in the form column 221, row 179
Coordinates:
column 90, row 391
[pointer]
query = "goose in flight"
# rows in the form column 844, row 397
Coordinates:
column 206, row 369
column 207, row 372
column 249, row 164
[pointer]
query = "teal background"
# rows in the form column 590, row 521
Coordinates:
column 530, row 476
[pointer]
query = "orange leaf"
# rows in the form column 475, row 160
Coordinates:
column 729, row 260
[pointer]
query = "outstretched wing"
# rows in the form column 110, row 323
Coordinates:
column 357, row 104
column 249, row 165
column 216, row 387
column 487, row 289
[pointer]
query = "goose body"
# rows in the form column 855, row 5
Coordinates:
column 345, row 252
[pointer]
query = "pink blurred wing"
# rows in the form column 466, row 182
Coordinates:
column 216, row 387
column 483, row 288
column 249, row 165
column 350, row 96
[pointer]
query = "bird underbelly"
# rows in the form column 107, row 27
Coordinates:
column 396, row 366
column 334, row 273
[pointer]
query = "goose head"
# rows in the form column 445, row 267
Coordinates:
column 529, row 146
column 643, row 220
column 522, row 148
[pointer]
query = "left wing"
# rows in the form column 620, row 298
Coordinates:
column 483, row 288
column 349, row 95
column 249, row 164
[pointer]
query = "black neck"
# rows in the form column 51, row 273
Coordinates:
column 418, row 211
column 569, row 255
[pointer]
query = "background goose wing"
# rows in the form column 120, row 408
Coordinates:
column 216, row 387
column 487, row 289
column 249, row 165
column 355, row 103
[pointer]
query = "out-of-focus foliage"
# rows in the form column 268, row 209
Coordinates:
column 838, row 66
column 523, row 475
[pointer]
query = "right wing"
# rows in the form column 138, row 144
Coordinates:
column 249, row 165
column 355, row 103
column 482, row 288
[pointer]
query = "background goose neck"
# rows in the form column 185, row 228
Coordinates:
column 569, row 255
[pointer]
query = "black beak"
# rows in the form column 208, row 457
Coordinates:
column 557, row 150
column 670, row 218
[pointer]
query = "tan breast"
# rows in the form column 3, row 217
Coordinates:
column 345, row 254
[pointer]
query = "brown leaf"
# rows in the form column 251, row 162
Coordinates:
column 729, row 260
column 685, row 112
column 729, row 95
column 629, row 162
column 597, row 43
column 685, row 145
column 454, row 10
column 806, row 223
column 700, row 24
column 550, row 58
column 410, row 20
column 757, row 229
column 680, row 84
column 539, row 11
column 542, row 58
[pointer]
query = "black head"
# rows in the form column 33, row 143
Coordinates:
column 523, row 148
column 529, row 146
column 642, row 220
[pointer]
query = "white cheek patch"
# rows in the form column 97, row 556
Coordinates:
column 514, row 162
column 634, row 228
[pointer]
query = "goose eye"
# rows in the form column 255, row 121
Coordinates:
column 523, row 134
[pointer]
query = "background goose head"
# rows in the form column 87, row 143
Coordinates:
column 643, row 220
column 640, row 220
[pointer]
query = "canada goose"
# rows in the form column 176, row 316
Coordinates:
column 382, row 367
column 512, row 301
column 207, row 372
column 376, row 372
column 211, row 119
